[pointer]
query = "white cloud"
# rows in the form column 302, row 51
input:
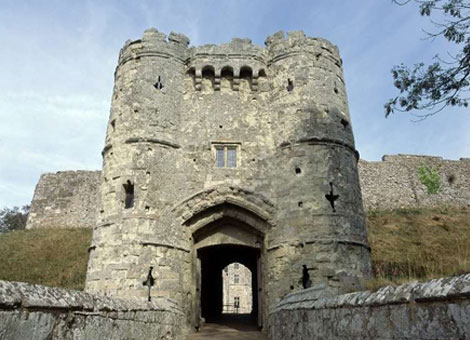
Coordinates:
column 59, row 59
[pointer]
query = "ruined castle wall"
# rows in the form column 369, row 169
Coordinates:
column 394, row 183
column 438, row 309
column 37, row 312
column 66, row 199
column 69, row 198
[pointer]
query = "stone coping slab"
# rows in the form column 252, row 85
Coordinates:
column 33, row 296
column 435, row 290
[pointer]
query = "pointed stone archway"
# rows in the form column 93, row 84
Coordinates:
column 223, row 234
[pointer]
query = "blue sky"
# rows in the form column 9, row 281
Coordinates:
column 58, row 59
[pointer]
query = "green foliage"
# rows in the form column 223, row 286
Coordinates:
column 445, row 82
column 13, row 218
column 430, row 178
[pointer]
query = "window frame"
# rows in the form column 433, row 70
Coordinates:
column 226, row 146
column 236, row 302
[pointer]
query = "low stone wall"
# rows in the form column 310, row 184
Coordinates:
column 438, row 309
column 394, row 183
column 37, row 312
column 66, row 199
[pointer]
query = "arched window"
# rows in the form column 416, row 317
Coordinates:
column 191, row 76
column 246, row 72
column 208, row 75
column 226, row 76
column 246, row 75
column 191, row 72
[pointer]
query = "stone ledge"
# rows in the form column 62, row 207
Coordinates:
column 29, row 311
column 32, row 296
column 435, row 290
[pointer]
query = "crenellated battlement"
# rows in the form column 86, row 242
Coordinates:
column 156, row 44
column 281, row 45
column 237, row 60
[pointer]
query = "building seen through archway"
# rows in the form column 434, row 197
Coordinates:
column 224, row 289
column 237, row 289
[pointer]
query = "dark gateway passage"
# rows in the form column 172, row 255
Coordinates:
column 213, row 260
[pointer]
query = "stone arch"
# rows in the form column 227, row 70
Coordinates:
column 226, row 224
column 259, row 79
column 208, row 73
column 191, row 71
column 191, row 75
column 208, row 69
column 226, row 77
column 248, row 200
column 213, row 260
column 226, row 71
column 232, row 224
column 246, row 73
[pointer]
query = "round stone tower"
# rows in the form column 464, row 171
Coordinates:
column 320, row 218
column 139, row 178
column 228, row 154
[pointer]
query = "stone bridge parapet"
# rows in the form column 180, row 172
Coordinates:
column 30, row 311
column 438, row 309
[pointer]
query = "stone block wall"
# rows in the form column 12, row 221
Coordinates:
column 38, row 312
column 69, row 198
column 66, row 199
column 438, row 309
column 393, row 183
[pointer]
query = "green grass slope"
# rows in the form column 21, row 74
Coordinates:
column 418, row 244
column 51, row 257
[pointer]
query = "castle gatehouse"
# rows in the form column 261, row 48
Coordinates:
column 223, row 154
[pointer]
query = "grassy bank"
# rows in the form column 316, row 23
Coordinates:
column 407, row 245
column 51, row 257
column 418, row 244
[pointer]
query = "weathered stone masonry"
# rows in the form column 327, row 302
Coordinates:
column 223, row 154
column 228, row 153
column 66, row 199
column 394, row 183
column 438, row 309
column 389, row 184
column 43, row 313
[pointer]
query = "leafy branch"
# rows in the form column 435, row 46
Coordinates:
column 443, row 83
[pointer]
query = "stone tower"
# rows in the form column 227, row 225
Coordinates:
column 223, row 154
